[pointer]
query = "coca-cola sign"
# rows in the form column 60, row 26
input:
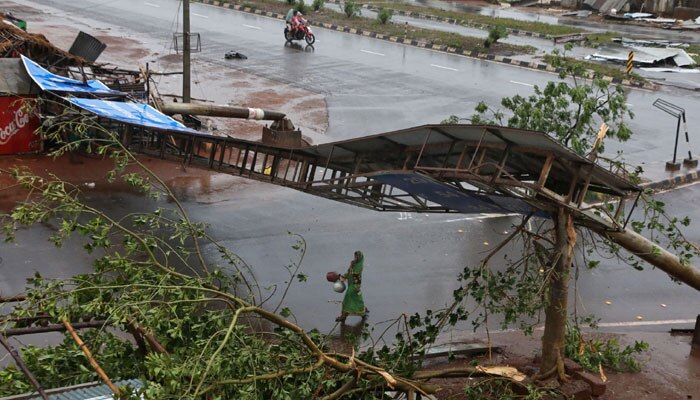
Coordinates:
column 17, row 127
column 18, row 121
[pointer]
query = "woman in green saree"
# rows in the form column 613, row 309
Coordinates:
column 353, row 304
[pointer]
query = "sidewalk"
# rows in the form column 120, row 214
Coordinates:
column 670, row 371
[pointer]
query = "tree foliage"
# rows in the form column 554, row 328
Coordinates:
column 216, row 334
column 220, row 336
column 570, row 110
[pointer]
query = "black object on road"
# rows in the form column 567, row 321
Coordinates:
column 234, row 54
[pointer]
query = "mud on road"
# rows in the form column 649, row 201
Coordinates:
column 211, row 83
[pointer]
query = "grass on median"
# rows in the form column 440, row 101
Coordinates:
column 599, row 69
column 477, row 19
column 391, row 29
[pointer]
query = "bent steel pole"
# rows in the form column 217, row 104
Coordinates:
column 221, row 111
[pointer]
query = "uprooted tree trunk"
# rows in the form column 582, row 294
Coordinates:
column 654, row 255
column 556, row 309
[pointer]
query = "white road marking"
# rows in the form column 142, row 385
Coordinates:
column 622, row 324
column 645, row 323
column 152, row 5
column 252, row 27
column 441, row 67
column 404, row 216
column 199, row 15
column 484, row 216
column 522, row 83
column 371, row 52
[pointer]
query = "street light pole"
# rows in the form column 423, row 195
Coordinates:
column 186, row 51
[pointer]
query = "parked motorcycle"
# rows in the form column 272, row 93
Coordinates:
column 302, row 32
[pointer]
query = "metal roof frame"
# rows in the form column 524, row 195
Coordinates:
column 478, row 163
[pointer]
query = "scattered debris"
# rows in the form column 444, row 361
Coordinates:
column 460, row 349
column 686, row 25
column 572, row 37
column 605, row 6
column 234, row 54
column 507, row 372
column 14, row 41
column 628, row 42
column 578, row 14
column 647, row 56
column 87, row 47
column 677, row 70
column 659, row 20
column 637, row 15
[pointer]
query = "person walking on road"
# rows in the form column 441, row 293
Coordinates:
column 353, row 303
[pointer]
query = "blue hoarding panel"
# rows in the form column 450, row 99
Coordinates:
column 56, row 83
column 452, row 198
column 131, row 113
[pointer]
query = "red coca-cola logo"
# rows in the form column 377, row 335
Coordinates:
column 19, row 120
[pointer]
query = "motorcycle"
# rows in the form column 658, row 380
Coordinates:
column 302, row 32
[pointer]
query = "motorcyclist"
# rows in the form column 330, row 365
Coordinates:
column 297, row 20
column 288, row 19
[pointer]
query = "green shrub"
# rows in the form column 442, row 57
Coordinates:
column 301, row 7
column 290, row 2
column 351, row 8
column 495, row 33
column 593, row 354
column 317, row 5
column 384, row 15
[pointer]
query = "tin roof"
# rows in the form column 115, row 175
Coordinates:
column 437, row 142
column 87, row 391
column 14, row 78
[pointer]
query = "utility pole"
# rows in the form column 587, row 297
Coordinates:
column 186, row 51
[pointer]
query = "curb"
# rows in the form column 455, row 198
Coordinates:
column 424, row 45
column 672, row 182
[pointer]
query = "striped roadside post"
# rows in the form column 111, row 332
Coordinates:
column 630, row 58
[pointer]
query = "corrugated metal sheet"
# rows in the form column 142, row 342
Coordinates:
column 87, row 47
column 605, row 6
column 645, row 55
column 594, row 4
column 609, row 5
column 88, row 391
column 14, row 78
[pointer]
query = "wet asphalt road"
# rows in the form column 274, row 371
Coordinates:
column 371, row 86
column 412, row 260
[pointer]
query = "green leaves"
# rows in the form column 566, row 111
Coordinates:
column 594, row 353
column 570, row 113
column 351, row 9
